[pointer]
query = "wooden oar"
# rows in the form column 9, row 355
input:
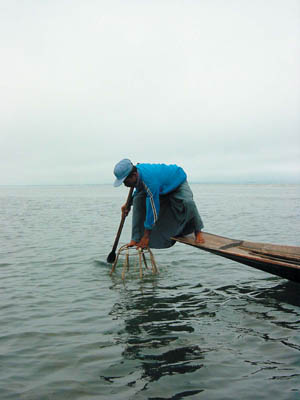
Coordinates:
column 112, row 255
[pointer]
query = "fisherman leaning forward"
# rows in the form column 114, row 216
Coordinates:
column 163, row 205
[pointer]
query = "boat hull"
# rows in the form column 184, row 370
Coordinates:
column 279, row 260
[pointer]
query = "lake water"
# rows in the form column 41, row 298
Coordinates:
column 204, row 328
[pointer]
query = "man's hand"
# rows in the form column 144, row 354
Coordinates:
column 144, row 242
column 132, row 243
column 125, row 211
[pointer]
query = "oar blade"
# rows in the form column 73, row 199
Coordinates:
column 111, row 257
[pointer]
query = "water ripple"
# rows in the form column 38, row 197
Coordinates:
column 203, row 328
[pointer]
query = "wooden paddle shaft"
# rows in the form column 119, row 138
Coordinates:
column 122, row 220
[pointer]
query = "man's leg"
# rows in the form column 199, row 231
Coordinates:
column 184, row 194
column 138, row 217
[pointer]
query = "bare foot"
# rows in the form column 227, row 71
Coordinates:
column 132, row 243
column 199, row 237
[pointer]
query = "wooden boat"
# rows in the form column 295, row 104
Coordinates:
column 283, row 261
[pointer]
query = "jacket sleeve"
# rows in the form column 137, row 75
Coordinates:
column 152, row 206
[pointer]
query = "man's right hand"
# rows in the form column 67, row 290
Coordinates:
column 125, row 211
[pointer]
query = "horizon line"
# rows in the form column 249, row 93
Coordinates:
column 190, row 182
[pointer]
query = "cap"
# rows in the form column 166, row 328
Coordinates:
column 122, row 170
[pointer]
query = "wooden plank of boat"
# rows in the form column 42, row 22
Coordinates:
column 280, row 260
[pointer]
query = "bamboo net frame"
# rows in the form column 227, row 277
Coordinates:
column 140, row 259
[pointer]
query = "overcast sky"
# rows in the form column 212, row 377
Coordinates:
column 211, row 85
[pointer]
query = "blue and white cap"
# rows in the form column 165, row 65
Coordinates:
column 122, row 170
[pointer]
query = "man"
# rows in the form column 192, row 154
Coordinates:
column 163, row 205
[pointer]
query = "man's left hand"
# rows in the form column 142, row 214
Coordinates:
column 143, row 243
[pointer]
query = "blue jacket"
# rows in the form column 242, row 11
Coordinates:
column 156, row 180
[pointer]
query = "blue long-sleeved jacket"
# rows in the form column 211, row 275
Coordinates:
column 156, row 180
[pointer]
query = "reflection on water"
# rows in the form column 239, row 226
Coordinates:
column 286, row 293
column 152, row 325
column 167, row 334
